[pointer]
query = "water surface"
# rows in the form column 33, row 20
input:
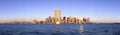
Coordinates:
column 59, row 29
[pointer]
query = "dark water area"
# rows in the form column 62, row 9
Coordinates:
column 59, row 29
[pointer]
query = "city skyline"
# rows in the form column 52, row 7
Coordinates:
column 56, row 19
column 57, row 16
column 100, row 10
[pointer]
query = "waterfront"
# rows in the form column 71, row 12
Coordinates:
column 59, row 29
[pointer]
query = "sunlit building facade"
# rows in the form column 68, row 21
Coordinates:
column 57, row 19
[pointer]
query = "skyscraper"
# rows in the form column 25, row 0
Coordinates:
column 57, row 16
column 59, row 13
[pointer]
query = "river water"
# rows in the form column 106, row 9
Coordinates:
column 59, row 29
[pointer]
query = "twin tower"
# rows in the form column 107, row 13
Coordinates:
column 57, row 15
column 57, row 19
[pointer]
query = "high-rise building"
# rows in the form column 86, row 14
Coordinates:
column 57, row 16
column 49, row 19
column 80, row 20
column 77, row 20
column 87, row 20
column 64, row 20
column 53, row 20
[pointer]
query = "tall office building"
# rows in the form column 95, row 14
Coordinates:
column 87, row 20
column 57, row 16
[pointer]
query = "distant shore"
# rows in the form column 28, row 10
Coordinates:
column 64, row 23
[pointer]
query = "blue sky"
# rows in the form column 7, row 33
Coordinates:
column 44, row 8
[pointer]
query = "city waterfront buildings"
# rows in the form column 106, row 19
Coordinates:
column 57, row 19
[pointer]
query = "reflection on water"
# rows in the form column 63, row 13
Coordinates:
column 60, row 29
column 81, row 29
column 57, row 29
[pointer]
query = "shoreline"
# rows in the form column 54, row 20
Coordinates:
column 58, row 24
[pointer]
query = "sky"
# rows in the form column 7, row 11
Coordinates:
column 44, row 8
